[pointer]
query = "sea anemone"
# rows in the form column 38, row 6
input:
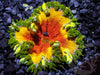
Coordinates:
column 47, row 39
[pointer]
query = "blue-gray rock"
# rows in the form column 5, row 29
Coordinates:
column 85, row 5
column 28, row 1
column 45, row 34
column 9, row 20
column 96, row 36
column 5, row 14
column 2, row 27
column 1, row 61
column 14, row 12
column 2, row 73
column 2, row 31
column 4, row 43
column 8, row 9
column 97, row 43
column 74, row 11
column 17, row 66
column 1, row 20
column 98, row 20
column 89, row 45
column 52, row 73
column 95, row 14
column 76, row 4
column 11, row 56
column 89, row 40
column 98, row 7
column 97, row 31
column 19, row 15
column 42, row 73
column 6, row 35
column 57, row 73
column 1, row 66
column 1, row 36
column 87, row 1
column 84, row 32
column 40, row 0
column 1, row 8
column 83, row 11
column 92, row 4
column 10, row 68
column 20, row 72
column 90, row 25
column 0, row 3
column 52, row 0
column 1, row 24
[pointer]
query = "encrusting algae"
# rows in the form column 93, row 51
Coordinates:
column 47, row 38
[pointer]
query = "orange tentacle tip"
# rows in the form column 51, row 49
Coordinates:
column 47, row 38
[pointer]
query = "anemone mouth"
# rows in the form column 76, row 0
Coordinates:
column 49, row 36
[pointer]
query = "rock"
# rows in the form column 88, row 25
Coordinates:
column 41, row 0
column 52, row 73
column 20, row 6
column 92, row 4
column 98, row 8
column 2, row 73
column 89, row 40
column 98, row 20
column 10, row 68
column 84, row 32
column 97, row 43
column 57, row 73
column 4, row 43
column 1, row 61
column 0, row 3
column 97, row 0
column 89, row 45
column 20, row 72
column 99, row 13
column 97, row 31
column 11, row 56
column 6, row 35
column 1, row 20
column 17, row 61
column 14, row 11
column 45, row 34
column 1, row 56
column 2, row 31
column 8, row 61
column 1, row 66
column 5, row 15
column 28, row 1
column 90, row 25
column 9, row 20
column 27, row 13
column 96, row 36
column 76, row 4
column 1, row 8
column 85, row 5
column 8, row 9
column 87, row 1
column 95, row 14
column 74, row 11
column 19, row 15
column 1, row 36
column 1, row 24
column 17, row 66
column 2, row 27
column 83, row 11
column 42, row 73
